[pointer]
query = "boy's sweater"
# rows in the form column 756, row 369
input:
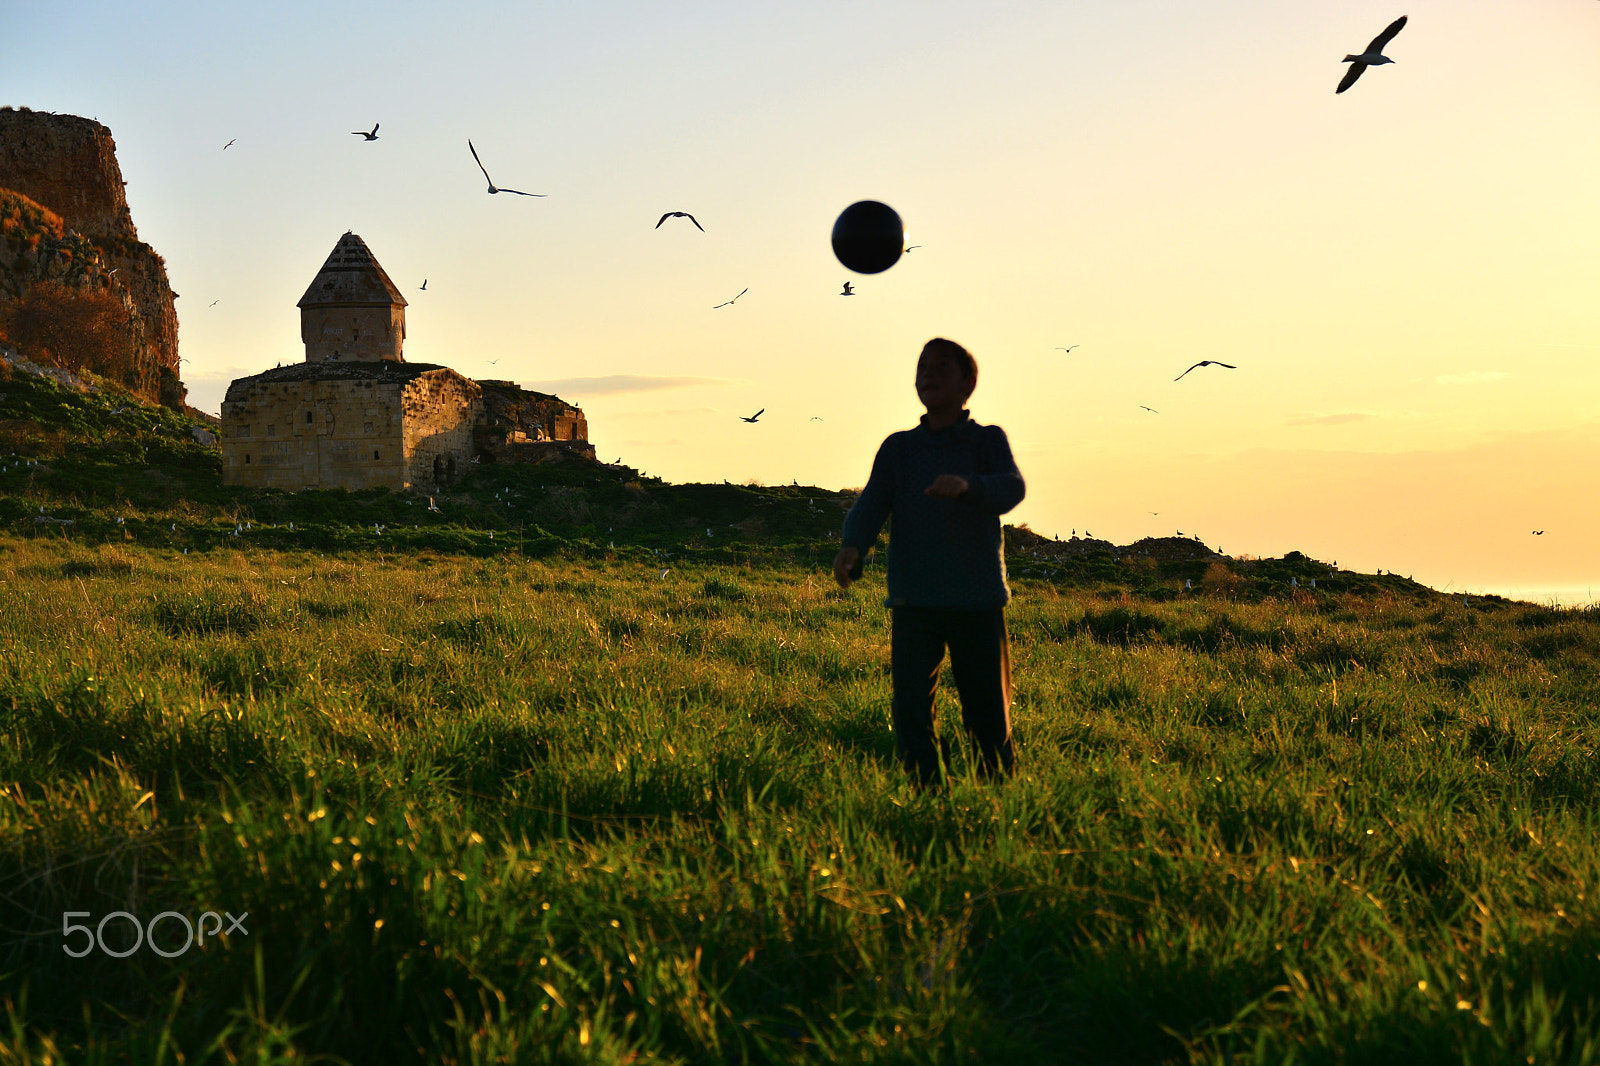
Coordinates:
column 942, row 553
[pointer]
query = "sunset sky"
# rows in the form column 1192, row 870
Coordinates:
column 1407, row 275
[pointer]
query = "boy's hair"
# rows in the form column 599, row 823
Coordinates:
column 947, row 349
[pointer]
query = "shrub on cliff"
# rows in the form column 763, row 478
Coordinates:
column 75, row 329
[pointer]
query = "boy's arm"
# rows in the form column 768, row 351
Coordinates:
column 871, row 509
column 1001, row 490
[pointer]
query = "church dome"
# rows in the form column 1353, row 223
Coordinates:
column 351, row 277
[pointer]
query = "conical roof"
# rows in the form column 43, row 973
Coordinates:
column 351, row 278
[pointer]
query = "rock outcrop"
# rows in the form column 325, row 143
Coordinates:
column 524, row 426
column 68, row 165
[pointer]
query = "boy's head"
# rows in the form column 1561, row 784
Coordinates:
column 946, row 375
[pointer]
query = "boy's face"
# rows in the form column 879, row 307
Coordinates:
column 940, row 383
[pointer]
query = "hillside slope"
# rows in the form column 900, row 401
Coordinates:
column 120, row 470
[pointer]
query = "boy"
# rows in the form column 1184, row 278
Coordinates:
column 947, row 483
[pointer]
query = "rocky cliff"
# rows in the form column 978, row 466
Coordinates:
column 68, row 165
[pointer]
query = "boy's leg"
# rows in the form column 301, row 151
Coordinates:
column 980, row 659
column 916, row 647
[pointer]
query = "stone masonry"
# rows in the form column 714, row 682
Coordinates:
column 355, row 415
column 357, row 425
column 352, row 310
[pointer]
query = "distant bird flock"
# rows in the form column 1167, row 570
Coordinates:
column 1373, row 55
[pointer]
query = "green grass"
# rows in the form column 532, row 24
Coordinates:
column 559, row 809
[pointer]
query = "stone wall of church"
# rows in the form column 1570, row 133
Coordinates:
column 440, row 408
column 314, row 434
column 350, row 434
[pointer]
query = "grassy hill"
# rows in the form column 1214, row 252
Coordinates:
column 126, row 472
column 565, row 810
column 531, row 800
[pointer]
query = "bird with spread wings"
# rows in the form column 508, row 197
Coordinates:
column 1372, row 57
column 1205, row 362
column 681, row 214
column 492, row 187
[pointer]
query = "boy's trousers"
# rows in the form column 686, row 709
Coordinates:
column 980, row 660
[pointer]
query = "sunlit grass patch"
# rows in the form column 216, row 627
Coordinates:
column 568, row 808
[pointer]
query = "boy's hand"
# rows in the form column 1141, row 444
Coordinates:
column 948, row 486
column 843, row 563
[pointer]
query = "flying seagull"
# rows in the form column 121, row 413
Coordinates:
column 1205, row 362
column 849, row 290
column 1061, row 349
column 1372, row 57
column 424, row 284
column 681, row 214
column 753, row 417
column 730, row 302
column 492, row 188
column 1538, row 532
column 369, row 136
column 1152, row 410
column 229, row 145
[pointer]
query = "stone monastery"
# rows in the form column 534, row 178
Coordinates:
column 356, row 415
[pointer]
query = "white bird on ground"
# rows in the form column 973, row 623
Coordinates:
column 665, row 572
column 1372, row 57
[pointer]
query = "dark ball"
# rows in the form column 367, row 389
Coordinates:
column 868, row 237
